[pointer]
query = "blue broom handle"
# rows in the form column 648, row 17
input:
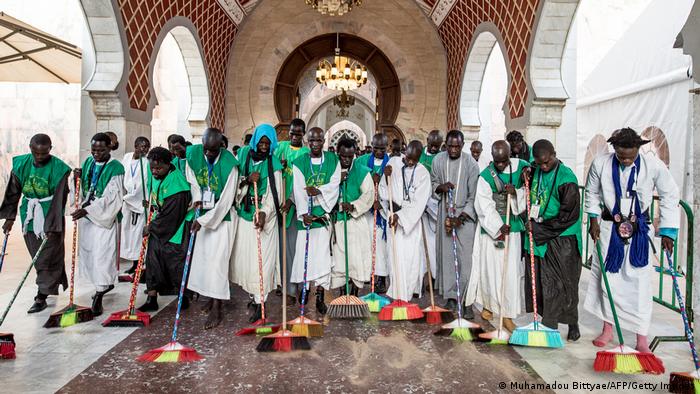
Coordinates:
column 24, row 278
column 4, row 248
column 684, row 312
column 185, row 270
column 451, row 214
column 306, row 259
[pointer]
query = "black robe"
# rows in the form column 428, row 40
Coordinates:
column 557, row 275
column 166, row 260
column 50, row 266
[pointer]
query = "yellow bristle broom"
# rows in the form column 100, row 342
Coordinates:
column 374, row 301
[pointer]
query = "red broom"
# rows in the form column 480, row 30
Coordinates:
column 72, row 314
column 132, row 317
column 7, row 340
column 433, row 314
column 261, row 326
column 174, row 352
column 283, row 340
column 399, row 309
column 622, row 359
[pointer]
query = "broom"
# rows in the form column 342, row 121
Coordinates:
column 283, row 340
column 684, row 382
column 622, row 359
column 4, row 248
column 374, row 301
column 433, row 314
column 7, row 340
column 347, row 306
column 303, row 325
column 459, row 329
column 72, row 314
column 534, row 334
column 501, row 336
column 399, row 309
column 261, row 326
column 127, row 277
column 132, row 317
column 174, row 352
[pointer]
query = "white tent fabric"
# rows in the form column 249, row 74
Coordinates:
column 30, row 55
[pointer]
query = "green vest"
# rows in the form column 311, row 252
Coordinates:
column 351, row 189
column 367, row 160
column 37, row 182
column 427, row 160
column 285, row 151
column 173, row 183
column 548, row 198
column 260, row 167
column 316, row 175
column 516, row 224
column 180, row 164
column 220, row 171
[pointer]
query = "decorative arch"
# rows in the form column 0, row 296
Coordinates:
column 309, row 52
column 105, row 31
column 345, row 128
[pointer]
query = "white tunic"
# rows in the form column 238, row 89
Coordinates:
column 404, row 259
column 245, row 270
column 319, row 259
column 381, row 267
column 359, row 241
column 134, row 189
column 488, row 260
column 209, row 274
column 631, row 286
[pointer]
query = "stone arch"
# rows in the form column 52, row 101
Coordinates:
column 326, row 98
column 345, row 128
column 106, row 34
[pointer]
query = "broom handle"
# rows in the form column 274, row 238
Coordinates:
column 684, row 312
column 185, row 270
column 427, row 264
column 139, row 270
column 4, row 248
column 306, row 260
column 451, row 214
column 505, row 269
column 345, row 236
column 284, row 259
column 532, row 257
column 610, row 297
column 75, row 244
column 260, row 262
column 374, row 238
column 143, row 187
column 24, row 278
column 394, row 263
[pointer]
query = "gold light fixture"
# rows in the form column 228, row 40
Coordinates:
column 343, row 101
column 334, row 7
column 343, row 74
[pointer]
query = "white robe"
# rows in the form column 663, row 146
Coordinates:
column 245, row 270
column 97, row 242
column 359, row 241
column 209, row 274
column 631, row 286
column 488, row 260
column 134, row 189
column 404, row 259
column 381, row 267
column 319, row 260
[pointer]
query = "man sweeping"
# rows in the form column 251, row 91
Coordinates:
column 502, row 178
column 356, row 198
column 376, row 161
column 453, row 170
column 410, row 190
column 101, row 180
column 213, row 177
column 135, row 201
column 178, row 148
column 316, row 175
column 257, row 165
column 429, row 220
column 619, row 192
column 170, row 198
column 40, row 181
column 286, row 153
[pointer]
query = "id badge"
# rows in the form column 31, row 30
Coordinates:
column 208, row 199
column 625, row 205
column 535, row 211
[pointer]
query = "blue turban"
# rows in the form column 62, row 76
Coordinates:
column 264, row 130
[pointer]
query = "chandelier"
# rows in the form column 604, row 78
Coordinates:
column 343, row 101
column 343, row 74
column 333, row 7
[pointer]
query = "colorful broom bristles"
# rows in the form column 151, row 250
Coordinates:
column 536, row 334
column 306, row 327
column 259, row 327
column 7, row 346
column 625, row 360
column 374, row 301
column 437, row 315
column 684, row 382
column 173, row 352
column 400, row 310
column 460, row 329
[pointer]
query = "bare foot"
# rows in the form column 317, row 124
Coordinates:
column 216, row 315
column 642, row 344
column 486, row 314
column 207, row 305
column 508, row 324
column 604, row 338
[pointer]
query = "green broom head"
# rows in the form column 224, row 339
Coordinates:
column 375, row 302
column 684, row 382
column 69, row 316
column 348, row 307
column 400, row 310
column 173, row 352
column 459, row 329
column 625, row 360
column 536, row 335
column 496, row 337
column 306, row 327
column 283, row 341
column 124, row 319
column 260, row 327
column 7, row 346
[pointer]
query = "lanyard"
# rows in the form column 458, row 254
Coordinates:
column 551, row 188
column 407, row 189
column 315, row 175
column 134, row 166
column 459, row 175
column 95, row 175
column 210, row 171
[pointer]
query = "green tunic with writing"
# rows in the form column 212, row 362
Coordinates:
column 514, row 178
column 214, row 180
column 351, row 188
column 316, row 175
column 285, row 151
column 426, row 160
column 260, row 167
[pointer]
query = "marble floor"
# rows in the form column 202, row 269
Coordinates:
column 352, row 356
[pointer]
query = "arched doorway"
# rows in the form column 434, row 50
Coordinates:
column 286, row 91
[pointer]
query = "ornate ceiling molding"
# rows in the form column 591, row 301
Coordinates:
column 440, row 11
column 233, row 9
